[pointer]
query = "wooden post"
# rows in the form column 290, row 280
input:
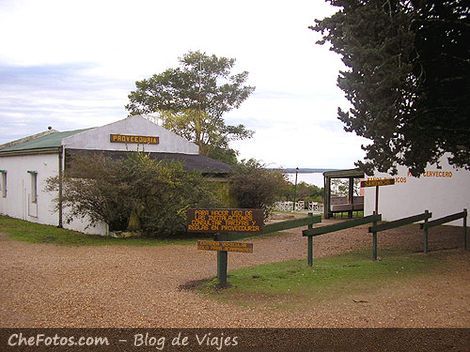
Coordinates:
column 310, row 245
column 376, row 199
column 222, row 267
column 374, row 234
column 310, row 251
column 326, row 196
column 351, row 196
column 222, row 259
column 465, row 243
column 425, row 227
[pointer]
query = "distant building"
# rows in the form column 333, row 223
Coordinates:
column 27, row 163
column 442, row 191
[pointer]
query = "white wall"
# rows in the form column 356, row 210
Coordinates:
column 441, row 191
column 99, row 138
column 18, row 202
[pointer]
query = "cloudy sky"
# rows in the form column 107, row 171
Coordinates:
column 71, row 64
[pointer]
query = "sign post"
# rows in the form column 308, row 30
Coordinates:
column 372, row 182
column 376, row 183
column 222, row 222
column 222, row 264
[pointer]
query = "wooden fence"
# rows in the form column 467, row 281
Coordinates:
column 312, row 232
column 376, row 228
column 444, row 220
column 394, row 224
column 291, row 224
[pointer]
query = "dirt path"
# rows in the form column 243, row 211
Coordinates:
column 117, row 286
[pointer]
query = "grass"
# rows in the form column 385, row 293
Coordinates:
column 26, row 231
column 37, row 233
column 293, row 283
column 344, row 215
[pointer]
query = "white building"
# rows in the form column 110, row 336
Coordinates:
column 26, row 164
column 442, row 191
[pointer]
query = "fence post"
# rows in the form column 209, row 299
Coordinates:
column 310, row 245
column 465, row 243
column 374, row 239
column 425, row 227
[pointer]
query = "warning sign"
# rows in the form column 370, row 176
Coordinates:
column 225, row 220
column 241, row 247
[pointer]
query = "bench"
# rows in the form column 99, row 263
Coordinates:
column 341, row 204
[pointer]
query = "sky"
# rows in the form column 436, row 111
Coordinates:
column 71, row 64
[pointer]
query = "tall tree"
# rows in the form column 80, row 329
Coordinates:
column 407, row 78
column 191, row 100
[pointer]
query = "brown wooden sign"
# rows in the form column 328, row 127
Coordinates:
column 126, row 138
column 225, row 220
column 228, row 246
column 372, row 182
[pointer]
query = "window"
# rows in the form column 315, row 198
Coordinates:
column 34, row 186
column 3, row 183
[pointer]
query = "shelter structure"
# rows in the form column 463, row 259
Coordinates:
column 341, row 204
column 26, row 164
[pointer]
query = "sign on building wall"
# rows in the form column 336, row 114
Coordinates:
column 225, row 220
column 126, row 138
column 373, row 182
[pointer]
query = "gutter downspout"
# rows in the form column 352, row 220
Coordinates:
column 61, row 171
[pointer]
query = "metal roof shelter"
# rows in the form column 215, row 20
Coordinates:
column 350, row 174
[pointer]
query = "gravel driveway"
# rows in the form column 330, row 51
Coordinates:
column 45, row 285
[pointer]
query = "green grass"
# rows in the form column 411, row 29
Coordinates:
column 293, row 283
column 344, row 215
column 21, row 230
column 37, row 233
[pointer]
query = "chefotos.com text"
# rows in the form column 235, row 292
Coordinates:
column 18, row 340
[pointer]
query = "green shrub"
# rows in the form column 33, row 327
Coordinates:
column 135, row 193
column 253, row 186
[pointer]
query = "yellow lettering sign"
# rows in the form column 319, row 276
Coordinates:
column 241, row 247
column 131, row 139
column 435, row 173
column 225, row 220
column 377, row 182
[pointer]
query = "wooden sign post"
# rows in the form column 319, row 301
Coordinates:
column 377, row 183
column 372, row 182
column 222, row 222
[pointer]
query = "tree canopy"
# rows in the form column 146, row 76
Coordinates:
column 191, row 100
column 254, row 186
column 406, row 77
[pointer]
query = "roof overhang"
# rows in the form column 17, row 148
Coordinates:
column 355, row 173
column 37, row 151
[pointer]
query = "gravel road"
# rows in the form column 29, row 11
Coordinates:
column 45, row 285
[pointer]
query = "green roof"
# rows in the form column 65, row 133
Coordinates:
column 51, row 140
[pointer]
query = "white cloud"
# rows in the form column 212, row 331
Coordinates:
column 118, row 42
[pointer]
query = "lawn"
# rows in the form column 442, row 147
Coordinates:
column 26, row 231
column 37, row 233
column 293, row 283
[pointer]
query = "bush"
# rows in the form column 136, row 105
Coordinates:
column 253, row 186
column 136, row 193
